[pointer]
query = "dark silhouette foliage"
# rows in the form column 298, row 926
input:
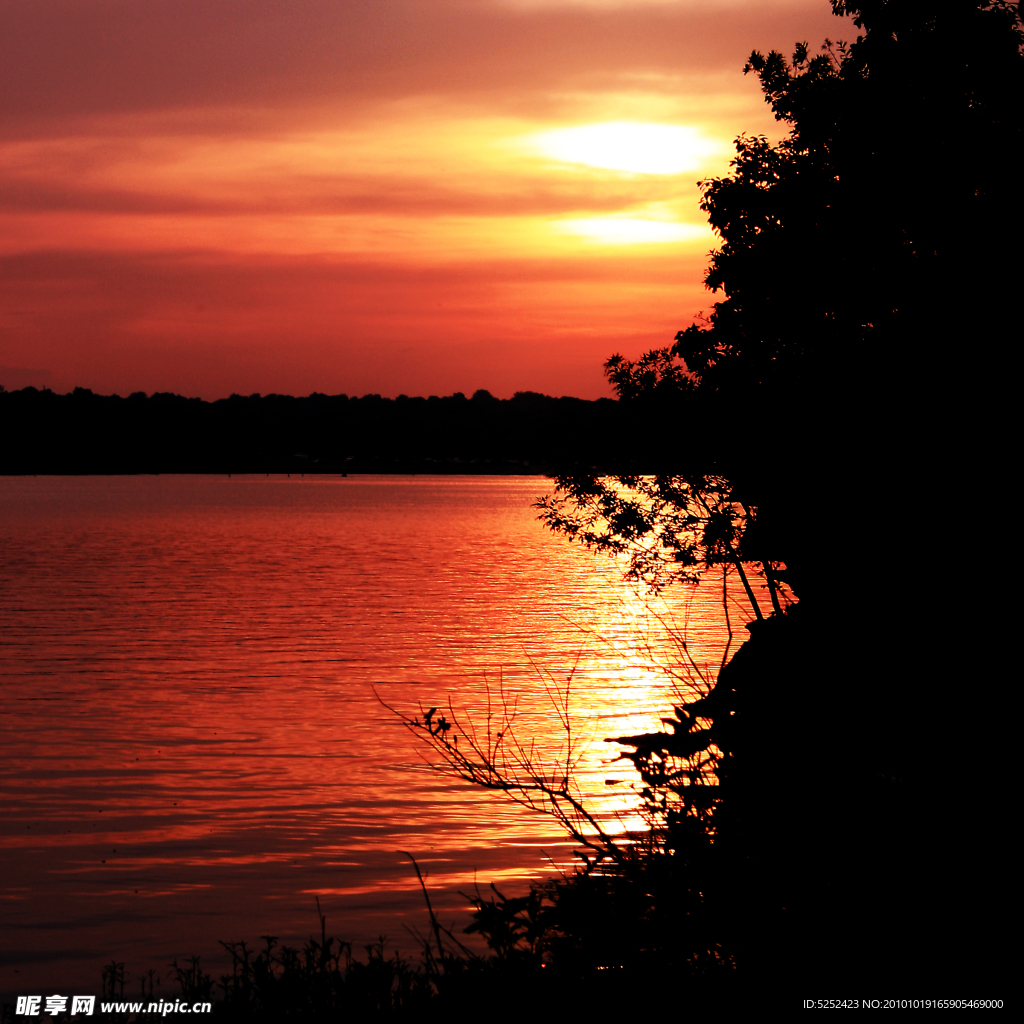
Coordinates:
column 84, row 432
column 836, row 388
column 846, row 245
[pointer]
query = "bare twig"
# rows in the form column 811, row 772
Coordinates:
column 499, row 761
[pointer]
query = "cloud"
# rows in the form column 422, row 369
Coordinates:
column 426, row 182
column 14, row 378
column 459, row 168
column 689, row 6
column 222, row 195
column 72, row 58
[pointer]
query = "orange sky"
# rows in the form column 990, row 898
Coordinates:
column 418, row 196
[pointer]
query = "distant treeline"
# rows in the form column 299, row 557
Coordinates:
column 82, row 432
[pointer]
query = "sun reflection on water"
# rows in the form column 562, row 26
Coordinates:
column 189, row 678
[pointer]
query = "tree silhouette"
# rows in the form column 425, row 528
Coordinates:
column 832, row 393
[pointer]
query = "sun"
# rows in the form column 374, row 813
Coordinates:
column 632, row 230
column 633, row 146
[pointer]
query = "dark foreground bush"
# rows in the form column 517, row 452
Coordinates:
column 587, row 942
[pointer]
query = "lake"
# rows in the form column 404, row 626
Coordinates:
column 192, row 744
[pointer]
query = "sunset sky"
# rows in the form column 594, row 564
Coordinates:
column 418, row 196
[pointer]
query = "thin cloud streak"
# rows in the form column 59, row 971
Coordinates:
column 76, row 57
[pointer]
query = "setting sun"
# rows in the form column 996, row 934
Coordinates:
column 633, row 230
column 629, row 146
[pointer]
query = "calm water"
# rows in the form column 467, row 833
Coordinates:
column 190, row 745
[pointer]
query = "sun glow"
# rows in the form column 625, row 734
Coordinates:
column 632, row 230
column 629, row 146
